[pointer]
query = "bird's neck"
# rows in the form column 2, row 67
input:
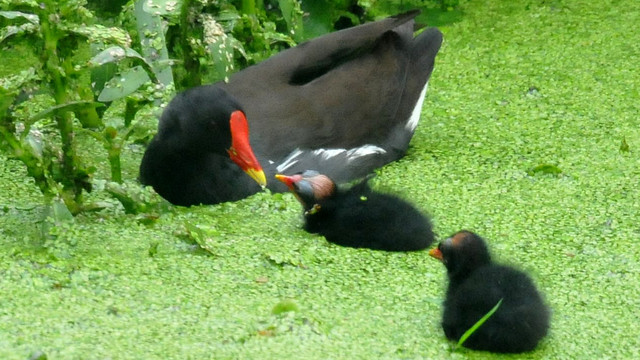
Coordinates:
column 458, row 274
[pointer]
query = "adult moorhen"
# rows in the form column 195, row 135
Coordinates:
column 344, row 103
column 476, row 285
column 358, row 216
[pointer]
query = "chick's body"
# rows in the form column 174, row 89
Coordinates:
column 360, row 217
column 518, row 324
column 476, row 285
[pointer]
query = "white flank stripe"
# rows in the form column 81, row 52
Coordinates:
column 328, row 154
column 415, row 115
column 289, row 161
column 364, row 151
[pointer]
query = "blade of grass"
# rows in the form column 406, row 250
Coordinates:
column 475, row 326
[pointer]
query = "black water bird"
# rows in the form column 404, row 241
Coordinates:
column 201, row 150
column 476, row 285
column 358, row 216
column 344, row 103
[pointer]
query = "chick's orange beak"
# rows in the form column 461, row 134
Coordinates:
column 436, row 253
column 240, row 151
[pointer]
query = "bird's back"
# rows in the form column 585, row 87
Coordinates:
column 360, row 217
column 353, row 90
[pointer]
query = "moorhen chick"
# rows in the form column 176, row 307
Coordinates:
column 358, row 216
column 344, row 103
column 476, row 285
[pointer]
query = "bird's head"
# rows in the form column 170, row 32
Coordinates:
column 462, row 253
column 310, row 188
column 211, row 120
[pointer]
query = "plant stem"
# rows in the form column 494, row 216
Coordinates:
column 114, row 162
column 72, row 192
column 248, row 7
column 189, row 57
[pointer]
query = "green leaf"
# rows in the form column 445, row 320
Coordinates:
column 228, row 15
column 15, row 83
column 624, row 147
column 221, row 51
column 207, row 237
column 100, row 75
column 284, row 306
column 11, row 86
column 545, row 169
column 237, row 45
column 20, row 3
column 35, row 144
column 112, row 54
column 153, row 248
column 162, row 7
column 479, row 323
column 153, row 43
column 117, row 53
column 59, row 212
column 103, row 34
column 293, row 17
column 54, row 214
column 322, row 17
column 34, row 19
column 195, row 232
column 38, row 355
column 124, row 84
column 14, row 30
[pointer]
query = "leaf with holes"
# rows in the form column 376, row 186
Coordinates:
column 124, row 84
column 162, row 7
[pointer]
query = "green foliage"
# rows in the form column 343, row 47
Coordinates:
column 322, row 17
column 87, row 70
column 152, row 42
column 204, row 236
column 544, row 169
column 54, row 40
column 576, row 234
column 136, row 199
column 38, row 355
column 124, row 84
column 56, row 32
column 624, row 147
column 287, row 305
column 214, row 39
